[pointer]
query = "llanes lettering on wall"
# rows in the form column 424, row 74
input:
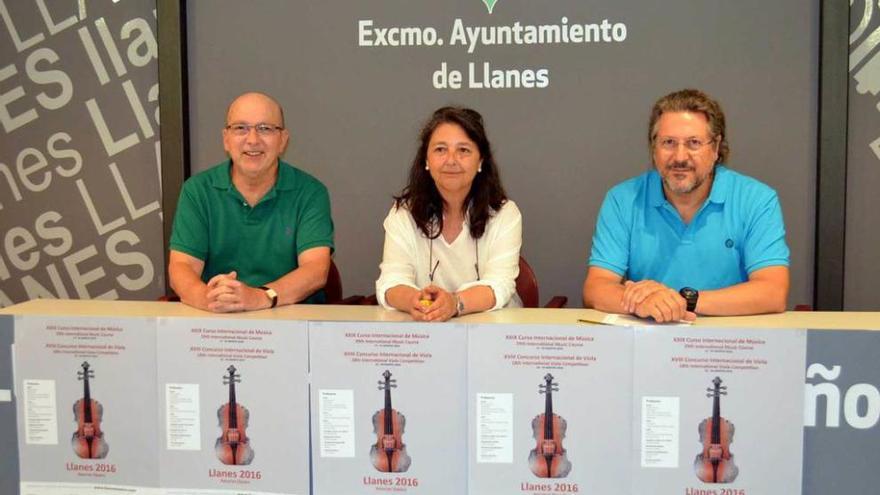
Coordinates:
column 482, row 74
column 29, row 253
column 23, row 41
column 33, row 173
column 140, row 51
column 79, row 100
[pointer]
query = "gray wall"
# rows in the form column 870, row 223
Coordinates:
column 863, row 160
column 354, row 111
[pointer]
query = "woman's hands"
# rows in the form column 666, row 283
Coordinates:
column 434, row 304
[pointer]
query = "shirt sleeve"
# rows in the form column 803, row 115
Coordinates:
column 503, row 241
column 611, row 239
column 765, row 239
column 189, row 233
column 315, row 225
column 398, row 265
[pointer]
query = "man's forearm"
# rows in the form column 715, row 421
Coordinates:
column 747, row 298
column 300, row 283
column 188, row 285
column 604, row 295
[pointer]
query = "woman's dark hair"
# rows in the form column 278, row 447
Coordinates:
column 421, row 197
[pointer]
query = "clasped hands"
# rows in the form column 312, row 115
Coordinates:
column 648, row 298
column 433, row 304
column 226, row 294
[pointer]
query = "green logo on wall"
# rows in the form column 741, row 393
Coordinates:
column 490, row 4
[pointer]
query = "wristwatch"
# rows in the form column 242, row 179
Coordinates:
column 271, row 294
column 690, row 295
column 459, row 306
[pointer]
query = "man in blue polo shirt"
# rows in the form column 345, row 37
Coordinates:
column 691, row 236
column 251, row 232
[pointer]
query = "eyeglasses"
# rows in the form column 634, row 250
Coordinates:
column 263, row 129
column 462, row 152
column 692, row 144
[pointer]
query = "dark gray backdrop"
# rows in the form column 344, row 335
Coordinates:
column 354, row 112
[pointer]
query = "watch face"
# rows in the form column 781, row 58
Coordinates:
column 690, row 295
column 271, row 294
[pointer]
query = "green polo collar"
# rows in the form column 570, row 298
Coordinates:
column 286, row 181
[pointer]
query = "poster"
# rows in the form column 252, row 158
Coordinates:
column 388, row 408
column 87, row 412
column 718, row 411
column 233, row 396
column 521, row 375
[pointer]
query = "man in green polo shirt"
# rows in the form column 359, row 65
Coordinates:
column 252, row 232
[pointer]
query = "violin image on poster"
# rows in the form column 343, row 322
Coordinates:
column 548, row 459
column 233, row 447
column 388, row 453
column 88, row 439
column 715, row 463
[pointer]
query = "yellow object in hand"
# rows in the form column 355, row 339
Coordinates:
column 425, row 302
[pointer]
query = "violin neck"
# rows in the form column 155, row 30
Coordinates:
column 548, row 415
column 389, row 425
column 716, row 419
column 233, row 417
column 87, row 399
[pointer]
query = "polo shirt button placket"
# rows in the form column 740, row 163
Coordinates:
column 247, row 210
column 688, row 235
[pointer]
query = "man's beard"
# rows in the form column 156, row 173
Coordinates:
column 685, row 186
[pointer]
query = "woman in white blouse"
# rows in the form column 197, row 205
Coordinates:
column 452, row 238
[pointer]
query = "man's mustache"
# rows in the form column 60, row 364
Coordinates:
column 680, row 166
